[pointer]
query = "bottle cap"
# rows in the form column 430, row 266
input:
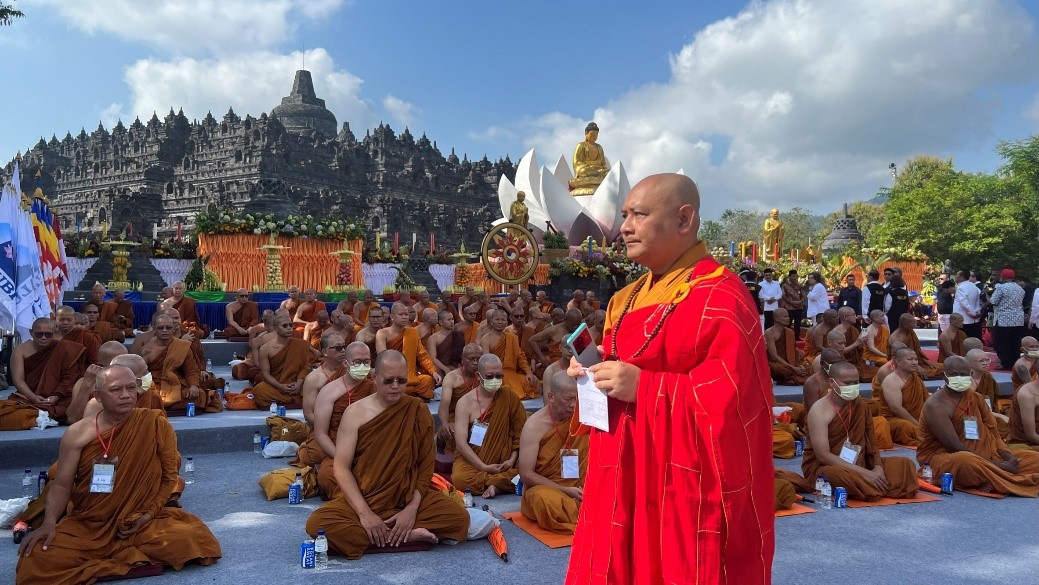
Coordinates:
column 321, row 532
column 190, row 459
column 28, row 471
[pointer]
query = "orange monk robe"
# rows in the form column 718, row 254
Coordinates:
column 459, row 391
column 326, row 479
column 550, row 508
column 174, row 370
column 1016, row 432
column 470, row 334
column 857, row 358
column 362, row 315
column 784, row 374
column 880, row 340
column 189, row 315
column 811, row 351
column 974, row 468
column 957, row 346
column 698, row 431
column 1017, row 381
column 419, row 384
column 932, row 372
column 119, row 314
column 855, row 424
column 106, row 332
column 988, row 388
column 52, row 371
column 291, row 364
column 90, row 342
column 505, row 419
column 787, row 484
column 393, row 458
column 309, row 314
column 914, row 394
column 316, row 334
column 782, row 443
column 422, row 306
column 449, row 350
column 553, row 353
column 515, row 366
column 86, row 545
column 424, row 338
column 346, row 307
column 546, row 307
column 247, row 315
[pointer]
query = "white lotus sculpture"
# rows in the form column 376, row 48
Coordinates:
column 597, row 216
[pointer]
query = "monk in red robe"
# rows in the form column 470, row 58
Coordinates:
column 784, row 360
column 119, row 312
column 680, row 488
column 285, row 363
column 518, row 375
column 241, row 314
column 107, row 534
column 103, row 329
column 65, row 317
column 423, row 376
column 188, row 310
column 445, row 346
column 43, row 372
column 457, row 383
column 176, row 371
column 902, row 398
column 905, row 334
column 306, row 313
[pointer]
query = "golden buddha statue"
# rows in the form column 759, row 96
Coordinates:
column 589, row 163
column 518, row 210
column 774, row 232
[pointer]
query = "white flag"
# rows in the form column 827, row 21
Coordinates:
column 30, row 296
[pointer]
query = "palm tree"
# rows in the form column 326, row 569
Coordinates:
column 8, row 14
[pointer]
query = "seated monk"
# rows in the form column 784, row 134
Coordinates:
column 346, row 306
column 958, row 436
column 543, row 304
column 423, row 376
column 552, row 464
column 43, row 373
column 188, row 311
column 97, row 297
column 551, row 338
column 84, row 387
column 331, row 368
column 427, row 326
column 986, row 387
column 815, row 339
column 377, row 319
column 241, row 314
column 423, row 301
column 65, row 318
column 875, row 349
column 412, row 315
column 906, row 335
column 106, row 536
column 457, row 383
column 119, row 313
column 1024, row 369
column 362, row 308
column 343, row 324
column 854, row 341
column 1024, row 416
column 559, row 365
column 316, row 329
column 950, row 342
column 306, row 312
column 470, row 325
column 784, row 360
column 594, row 304
column 488, row 423
column 384, row 467
column 175, row 370
column 818, row 384
column 883, row 372
column 902, row 398
column 577, row 301
column 333, row 400
column 284, row 363
column 518, row 375
column 597, row 325
column 248, row 369
column 292, row 302
column 841, row 444
column 539, row 321
column 558, row 315
column 102, row 329
column 445, row 346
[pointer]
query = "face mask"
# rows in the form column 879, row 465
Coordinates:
column 958, row 383
column 492, row 385
column 146, row 383
column 1033, row 354
column 360, row 371
column 849, row 392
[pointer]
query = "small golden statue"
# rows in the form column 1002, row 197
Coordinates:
column 589, row 163
column 774, row 232
column 518, row 210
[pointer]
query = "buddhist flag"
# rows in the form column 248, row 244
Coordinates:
column 65, row 284
column 30, row 300
column 50, row 254
column 8, row 288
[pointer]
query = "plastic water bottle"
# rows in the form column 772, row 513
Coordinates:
column 320, row 551
column 819, row 480
column 27, row 484
column 468, row 498
column 926, row 474
column 296, row 489
column 209, row 365
column 274, row 408
column 827, row 496
column 256, row 442
column 189, row 471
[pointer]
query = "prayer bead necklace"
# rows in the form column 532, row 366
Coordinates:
column 649, row 337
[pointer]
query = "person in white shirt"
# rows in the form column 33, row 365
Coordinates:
column 818, row 298
column 770, row 293
column 967, row 302
column 1033, row 317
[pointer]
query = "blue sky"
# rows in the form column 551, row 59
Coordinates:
column 764, row 104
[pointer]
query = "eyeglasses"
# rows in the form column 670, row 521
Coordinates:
column 242, row 296
column 492, row 376
column 361, row 363
column 397, row 381
column 164, row 327
column 336, row 347
column 43, row 334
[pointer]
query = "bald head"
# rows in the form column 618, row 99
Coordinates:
column 108, row 351
column 956, row 366
column 876, row 316
column 662, row 220
column 843, row 370
column 829, row 356
column 972, row 343
column 133, row 361
column 836, row 340
column 845, row 313
column 906, row 321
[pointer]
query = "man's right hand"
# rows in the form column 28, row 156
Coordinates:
column 43, row 402
column 876, row 477
column 45, row 533
column 1010, row 466
column 574, row 492
column 377, row 531
column 446, row 433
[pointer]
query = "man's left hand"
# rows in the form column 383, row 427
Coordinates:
column 617, row 379
column 401, row 525
column 127, row 530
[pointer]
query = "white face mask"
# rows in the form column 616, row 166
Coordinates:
column 492, row 385
column 360, row 371
column 849, row 392
column 1033, row 353
column 146, row 383
column 958, row 383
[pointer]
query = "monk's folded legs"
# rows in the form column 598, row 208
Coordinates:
column 904, row 432
column 882, row 434
column 550, row 508
column 782, row 444
column 972, row 471
column 464, row 475
column 422, row 386
column 900, row 473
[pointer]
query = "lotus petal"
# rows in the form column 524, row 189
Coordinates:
column 584, row 226
column 562, row 171
column 559, row 204
column 506, row 195
column 606, row 203
column 528, row 180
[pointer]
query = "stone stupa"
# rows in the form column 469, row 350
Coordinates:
column 845, row 232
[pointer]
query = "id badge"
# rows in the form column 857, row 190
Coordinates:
column 970, row 428
column 571, row 464
column 102, row 479
column 988, row 403
column 849, row 452
column 477, row 434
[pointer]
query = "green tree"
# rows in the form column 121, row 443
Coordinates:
column 8, row 13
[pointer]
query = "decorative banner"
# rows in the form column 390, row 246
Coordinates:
column 307, row 263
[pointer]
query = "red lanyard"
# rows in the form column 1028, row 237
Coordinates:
column 966, row 411
column 111, row 438
column 480, row 406
column 566, row 438
column 847, row 433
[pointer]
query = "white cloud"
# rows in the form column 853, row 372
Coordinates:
column 816, row 98
column 112, row 114
column 251, row 83
column 194, row 26
column 404, row 113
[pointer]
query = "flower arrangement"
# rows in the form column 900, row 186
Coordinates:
column 600, row 264
column 384, row 254
column 213, row 221
column 172, row 248
column 81, row 246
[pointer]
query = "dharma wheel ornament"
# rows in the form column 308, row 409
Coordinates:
column 510, row 253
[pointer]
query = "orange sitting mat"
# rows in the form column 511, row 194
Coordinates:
column 549, row 539
column 919, row 499
column 978, row 492
column 795, row 510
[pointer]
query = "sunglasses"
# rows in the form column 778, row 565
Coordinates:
column 43, row 334
column 492, row 376
column 337, row 347
column 392, row 381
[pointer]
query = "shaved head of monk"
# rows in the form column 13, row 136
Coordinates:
column 333, row 348
column 907, row 322
column 137, row 364
column 979, row 360
column 116, row 390
column 429, row 317
column 42, row 331
column 561, row 396
column 781, row 316
column 972, row 343
column 876, row 316
column 827, row 358
column 446, row 319
column 894, row 347
column 66, row 318
column 558, row 315
column 830, row 317
column 1029, row 344
column 391, row 376
column 574, row 317
column 846, row 315
column 376, row 316
column 844, row 373
column 165, row 327
column 956, row 366
column 358, row 353
column 661, row 220
column 498, row 319
column 283, row 326
column 906, row 359
column 836, row 340
column 956, row 321
column 471, row 358
column 109, row 350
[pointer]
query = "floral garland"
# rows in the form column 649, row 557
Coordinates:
column 608, row 265
column 213, row 221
